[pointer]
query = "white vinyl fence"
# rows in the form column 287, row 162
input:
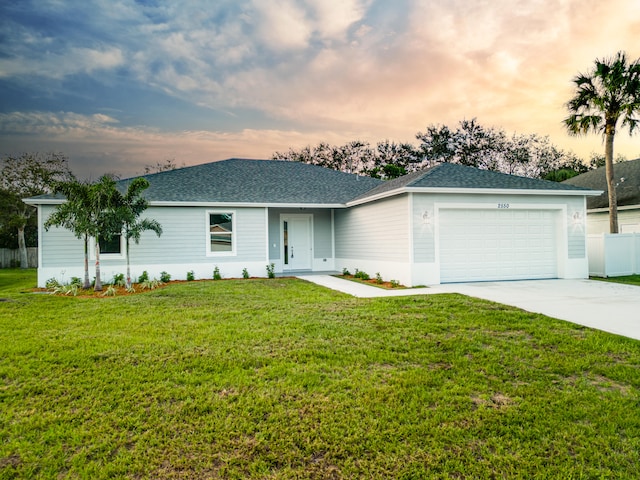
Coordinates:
column 613, row 255
column 10, row 258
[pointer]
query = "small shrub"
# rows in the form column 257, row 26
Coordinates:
column 150, row 284
column 76, row 281
column 361, row 275
column 394, row 283
column 346, row 272
column 14, row 264
column 109, row 292
column 165, row 277
column 119, row 280
column 131, row 289
column 71, row 289
column 245, row 273
column 190, row 276
column 216, row 273
column 271, row 271
column 52, row 284
column 379, row 278
column 144, row 277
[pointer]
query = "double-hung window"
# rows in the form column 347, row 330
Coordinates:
column 221, row 240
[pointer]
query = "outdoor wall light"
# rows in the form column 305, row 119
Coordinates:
column 577, row 218
column 426, row 218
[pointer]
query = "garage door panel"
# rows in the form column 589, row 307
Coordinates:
column 478, row 245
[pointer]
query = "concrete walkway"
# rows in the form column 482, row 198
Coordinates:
column 606, row 306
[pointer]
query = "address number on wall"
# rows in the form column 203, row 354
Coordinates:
column 503, row 205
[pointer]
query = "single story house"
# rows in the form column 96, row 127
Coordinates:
column 448, row 223
column 626, row 176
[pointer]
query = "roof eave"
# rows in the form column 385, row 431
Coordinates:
column 244, row 204
column 43, row 201
column 620, row 208
column 482, row 191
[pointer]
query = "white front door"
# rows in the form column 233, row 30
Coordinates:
column 296, row 241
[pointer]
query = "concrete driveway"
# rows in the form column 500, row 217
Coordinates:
column 610, row 307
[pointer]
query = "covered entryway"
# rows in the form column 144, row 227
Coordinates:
column 497, row 244
column 297, row 241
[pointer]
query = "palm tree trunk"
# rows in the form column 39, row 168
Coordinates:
column 22, row 245
column 611, row 185
column 98, row 286
column 128, row 266
column 87, row 284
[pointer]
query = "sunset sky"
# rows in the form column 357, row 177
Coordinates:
column 120, row 84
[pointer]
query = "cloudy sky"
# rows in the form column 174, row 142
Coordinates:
column 120, row 84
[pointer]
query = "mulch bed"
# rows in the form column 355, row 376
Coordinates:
column 373, row 282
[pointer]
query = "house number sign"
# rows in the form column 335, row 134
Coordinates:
column 503, row 205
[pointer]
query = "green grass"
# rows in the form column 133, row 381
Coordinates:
column 284, row 379
column 627, row 279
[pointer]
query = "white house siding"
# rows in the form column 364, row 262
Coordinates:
column 568, row 212
column 181, row 248
column 375, row 238
column 628, row 221
column 322, row 236
column 59, row 249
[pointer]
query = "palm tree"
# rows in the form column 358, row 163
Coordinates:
column 607, row 95
column 106, row 217
column 75, row 215
column 130, row 206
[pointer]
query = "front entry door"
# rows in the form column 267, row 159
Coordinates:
column 298, row 248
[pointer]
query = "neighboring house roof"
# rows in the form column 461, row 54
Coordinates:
column 626, row 176
column 454, row 177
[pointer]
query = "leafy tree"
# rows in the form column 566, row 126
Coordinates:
column 76, row 215
column 387, row 160
column 490, row 148
column 468, row 144
column 478, row 146
column 28, row 175
column 605, row 97
column 438, row 145
column 168, row 164
column 392, row 160
column 597, row 160
column 129, row 208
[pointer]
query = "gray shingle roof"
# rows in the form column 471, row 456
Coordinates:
column 628, row 190
column 282, row 182
column 256, row 181
column 454, row 176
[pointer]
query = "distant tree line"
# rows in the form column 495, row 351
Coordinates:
column 21, row 176
column 469, row 143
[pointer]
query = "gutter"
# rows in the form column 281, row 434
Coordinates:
column 481, row 191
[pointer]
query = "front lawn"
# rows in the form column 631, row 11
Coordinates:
column 627, row 279
column 284, row 379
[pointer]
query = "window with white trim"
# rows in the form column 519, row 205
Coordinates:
column 221, row 239
column 113, row 248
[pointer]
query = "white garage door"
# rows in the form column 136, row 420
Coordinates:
column 479, row 245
